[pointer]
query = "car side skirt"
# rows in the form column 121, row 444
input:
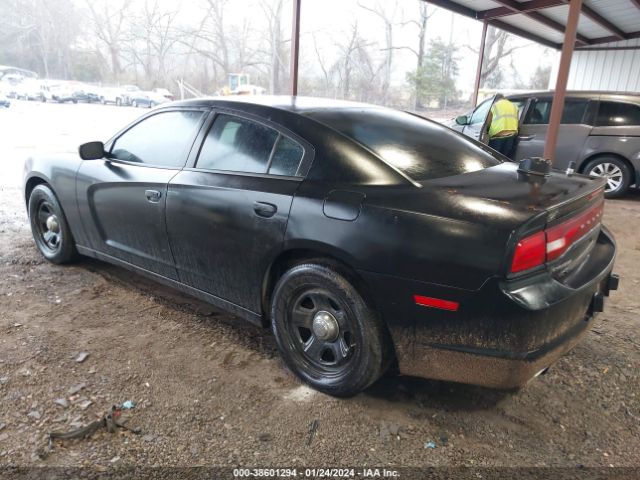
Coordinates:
column 218, row 302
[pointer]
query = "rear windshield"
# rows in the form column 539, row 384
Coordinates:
column 421, row 149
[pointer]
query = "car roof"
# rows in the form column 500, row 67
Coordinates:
column 294, row 104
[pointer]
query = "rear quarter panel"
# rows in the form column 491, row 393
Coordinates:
column 392, row 241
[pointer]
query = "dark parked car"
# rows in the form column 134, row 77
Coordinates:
column 62, row 95
column 363, row 236
column 599, row 131
column 87, row 96
column 146, row 99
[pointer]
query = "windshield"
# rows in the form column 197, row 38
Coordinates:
column 419, row 148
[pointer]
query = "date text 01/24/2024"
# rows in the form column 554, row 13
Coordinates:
column 314, row 473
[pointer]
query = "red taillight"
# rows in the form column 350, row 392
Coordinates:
column 561, row 237
column 530, row 252
column 549, row 244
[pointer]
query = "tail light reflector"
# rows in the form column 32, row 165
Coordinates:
column 547, row 245
column 436, row 303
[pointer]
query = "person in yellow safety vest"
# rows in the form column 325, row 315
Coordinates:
column 503, row 125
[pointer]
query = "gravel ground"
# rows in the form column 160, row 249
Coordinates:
column 210, row 389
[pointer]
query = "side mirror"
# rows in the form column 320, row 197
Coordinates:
column 92, row 151
column 462, row 120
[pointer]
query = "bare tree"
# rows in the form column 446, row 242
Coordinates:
column 108, row 22
column 421, row 24
column 321, row 63
column 388, row 17
column 152, row 39
column 496, row 49
column 273, row 12
column 39, row 35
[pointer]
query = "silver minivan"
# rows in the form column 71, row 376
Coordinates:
column 600, row 131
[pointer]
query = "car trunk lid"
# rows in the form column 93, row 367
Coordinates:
column 560, row 213
column 521, row 205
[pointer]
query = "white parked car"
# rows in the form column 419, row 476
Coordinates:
column 164, row 92
column 147, row 99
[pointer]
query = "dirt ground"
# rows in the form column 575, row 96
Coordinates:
column 210, row 389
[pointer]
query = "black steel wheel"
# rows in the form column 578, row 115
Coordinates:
column 326, row 332
column 49, row 226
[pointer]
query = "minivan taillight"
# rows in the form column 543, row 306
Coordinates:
column 547, row 245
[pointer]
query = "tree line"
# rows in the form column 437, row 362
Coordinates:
column 153, row 43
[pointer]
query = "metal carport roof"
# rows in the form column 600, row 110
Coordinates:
column 545, row 21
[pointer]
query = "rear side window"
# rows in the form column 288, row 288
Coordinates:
column 616, row 114
column 286, row 157
column 573, row 113
column 238, row 145
column 162, row 140
column 421, row 149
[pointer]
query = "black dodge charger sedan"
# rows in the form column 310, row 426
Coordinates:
column 363, row 236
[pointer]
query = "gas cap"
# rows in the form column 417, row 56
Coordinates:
column 343, row 205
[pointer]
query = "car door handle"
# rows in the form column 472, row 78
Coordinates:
column 524, row 138
column 153, row 195
column 264, row 209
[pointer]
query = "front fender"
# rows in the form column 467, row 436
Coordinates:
column 59, row 172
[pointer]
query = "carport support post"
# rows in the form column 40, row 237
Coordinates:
column 476, row 88
column 561, row 83
column 295, row 46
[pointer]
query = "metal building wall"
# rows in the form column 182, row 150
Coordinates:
column 616, row 70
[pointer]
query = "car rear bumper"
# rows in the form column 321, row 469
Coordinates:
column 503, row 334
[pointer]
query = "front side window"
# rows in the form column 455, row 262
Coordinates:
column 481, row 112
column 160, row 140
column 616, row 114
column 572, row 114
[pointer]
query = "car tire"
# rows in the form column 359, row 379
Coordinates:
column 152, row 104
column 134, row 104
column 118, row 102
column 49, row 226
column 615, row 170
column 326, row 331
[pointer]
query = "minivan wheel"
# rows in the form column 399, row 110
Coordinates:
column 326, row 332
column 49, row 226
column 614, row 170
